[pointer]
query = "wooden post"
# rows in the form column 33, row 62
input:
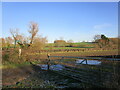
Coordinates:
column 61, row 60
column 19, row 52
column 48, row 63
column 86, row 61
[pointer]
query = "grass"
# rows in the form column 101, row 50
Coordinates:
column 76, row 45
column 42, row 55
column 49, row 48
column 82, row 43
column 79, row 45
column 72, row 52
column 93, row 52
column 14, row 65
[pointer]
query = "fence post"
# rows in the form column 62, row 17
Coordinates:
column 48, row 63
column 86, row 61
column 19, row 52
column 62, row 58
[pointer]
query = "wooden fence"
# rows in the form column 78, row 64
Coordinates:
column 96, row 77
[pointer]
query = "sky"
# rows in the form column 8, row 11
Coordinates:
column 79, row 21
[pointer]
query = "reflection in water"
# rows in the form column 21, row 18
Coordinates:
column 52, row 67
column 89, row 62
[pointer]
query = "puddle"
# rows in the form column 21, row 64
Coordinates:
column 89, row 62
column 52, row 67
column 56, row 67
column 44, row 67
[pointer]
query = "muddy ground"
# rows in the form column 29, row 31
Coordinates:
column 33, row 77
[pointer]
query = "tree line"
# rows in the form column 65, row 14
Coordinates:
column 36, row 41
column 19, row 40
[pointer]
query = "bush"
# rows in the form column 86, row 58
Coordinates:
column 12, row 58
column 60, row 43
column 5, row 57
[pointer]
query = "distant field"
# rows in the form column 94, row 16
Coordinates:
column 74, row 46
column 82, row 43
column 46, row 48
column 78, row 43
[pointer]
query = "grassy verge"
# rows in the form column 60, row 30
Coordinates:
column 14, row 65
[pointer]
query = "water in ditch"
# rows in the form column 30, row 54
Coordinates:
column 89, row 62
column 56, row 67
column 59, row 67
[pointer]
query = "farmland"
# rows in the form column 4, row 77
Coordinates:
column 33, row 76
column 32, row 62
column 67, row 45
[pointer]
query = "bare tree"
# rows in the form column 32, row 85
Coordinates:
column 3, row 44
column 39, row 42
column 14, row 33
column 33, row 30
column 18, row 38
column 70, row 42
column 101, row 40
column 21, row 38
column 97, row 37
column 8, row 41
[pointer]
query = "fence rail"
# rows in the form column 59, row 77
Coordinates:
column 94, row 58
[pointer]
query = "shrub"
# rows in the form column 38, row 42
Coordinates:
column 5, row 57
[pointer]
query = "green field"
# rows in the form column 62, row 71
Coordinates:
column 66, row 46
column 47, row 48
